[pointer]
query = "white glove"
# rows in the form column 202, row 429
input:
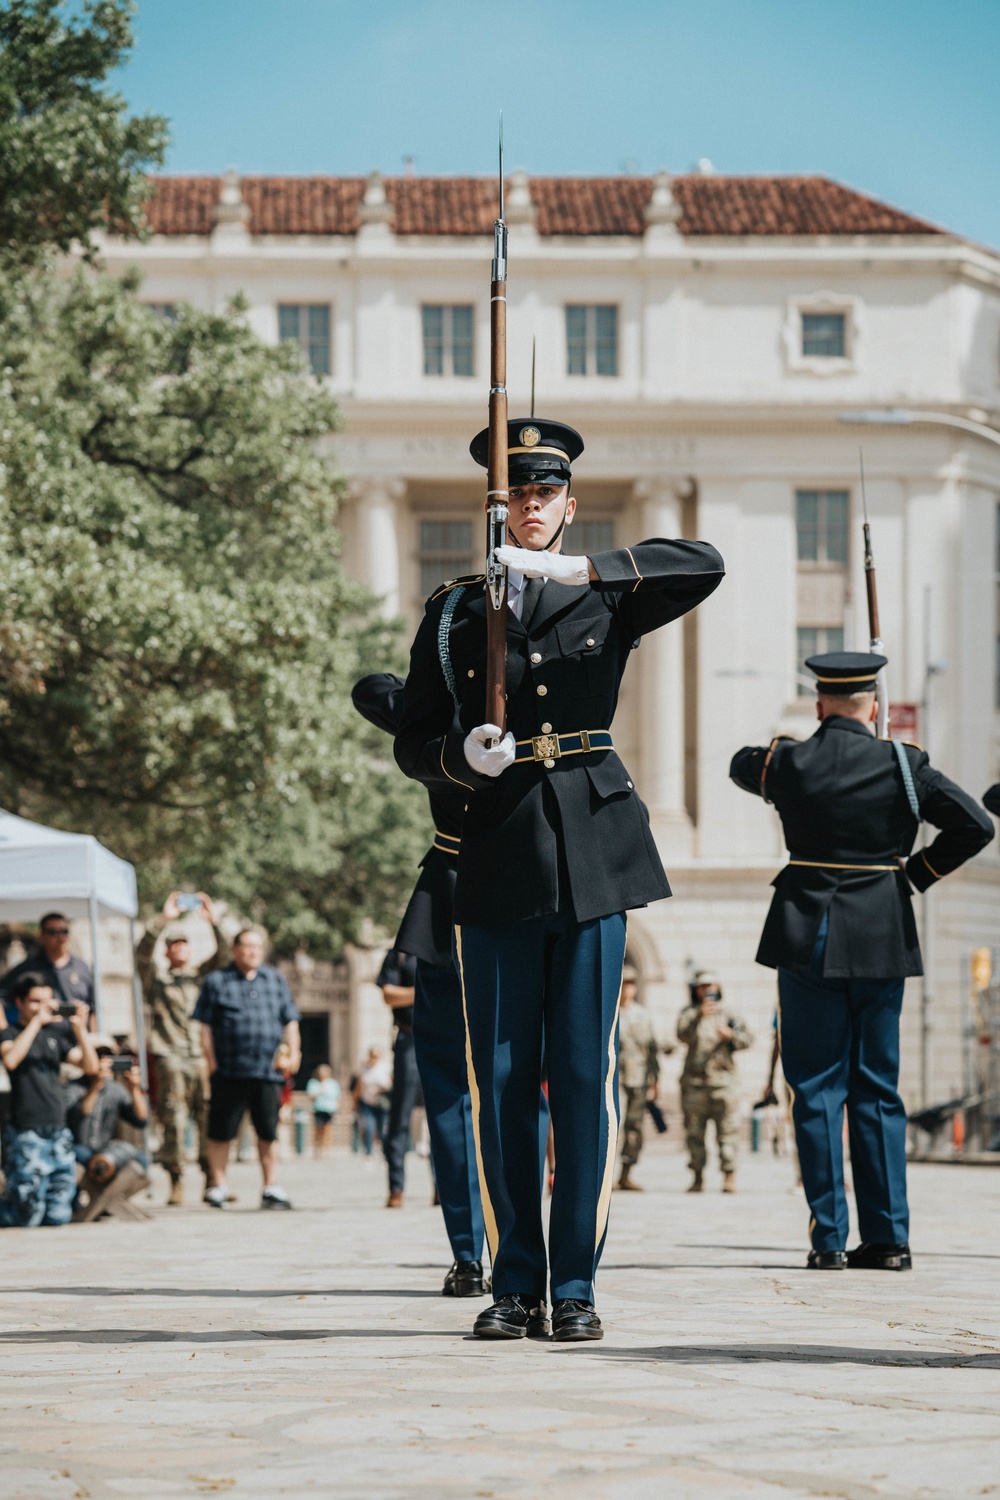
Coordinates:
column 570, row 570
column 489, row 761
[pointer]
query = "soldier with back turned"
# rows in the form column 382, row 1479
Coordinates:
column 842, row 935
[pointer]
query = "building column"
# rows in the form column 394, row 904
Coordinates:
column 661, row 708
column 378, row 522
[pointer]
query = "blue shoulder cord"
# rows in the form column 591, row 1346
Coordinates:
column 444, row 630
column 904, row 766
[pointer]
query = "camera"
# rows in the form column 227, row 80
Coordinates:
column 122, row 1064
column 187, row 902
column 66, row 1010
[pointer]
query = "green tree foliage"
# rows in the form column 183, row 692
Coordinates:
column 71, row 161
column 178, row 638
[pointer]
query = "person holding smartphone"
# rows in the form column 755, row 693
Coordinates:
column 171, row 986
column 38, row 1151
column 112, row 1094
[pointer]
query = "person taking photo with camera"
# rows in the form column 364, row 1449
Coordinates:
column 38, row 1151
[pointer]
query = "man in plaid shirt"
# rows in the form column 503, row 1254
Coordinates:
column 246, row 1011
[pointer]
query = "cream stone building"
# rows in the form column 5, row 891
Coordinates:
column 705, row 334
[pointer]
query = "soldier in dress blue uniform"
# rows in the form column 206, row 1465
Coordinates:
column 438, row 1022
column 555, row 847
column 842, row 935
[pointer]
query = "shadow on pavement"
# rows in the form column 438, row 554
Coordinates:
column 701, row 1265
column 216, row 1336
column 212, row 1291
column 806, row 1354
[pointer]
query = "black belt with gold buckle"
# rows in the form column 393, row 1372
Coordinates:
column 548, row 748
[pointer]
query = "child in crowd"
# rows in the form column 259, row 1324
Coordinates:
column 324, row 1091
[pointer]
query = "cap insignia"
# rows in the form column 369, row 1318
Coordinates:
column 530, row 436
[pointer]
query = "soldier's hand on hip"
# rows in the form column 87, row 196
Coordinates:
column 489, row 759
column 574, row 571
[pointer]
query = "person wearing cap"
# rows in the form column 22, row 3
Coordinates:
column 841, row 934
column 638, row 1073
column 709, row 1085
column 555, row 847
column 69, row 976
column 174, row 1040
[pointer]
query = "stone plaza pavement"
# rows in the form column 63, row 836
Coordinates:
column 252, row 1354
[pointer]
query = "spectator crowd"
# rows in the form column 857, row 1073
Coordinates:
column 223, row 1048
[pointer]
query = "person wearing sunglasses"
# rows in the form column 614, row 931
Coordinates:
column 68, row 975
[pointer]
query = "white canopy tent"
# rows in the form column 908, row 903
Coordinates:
column 44, row 868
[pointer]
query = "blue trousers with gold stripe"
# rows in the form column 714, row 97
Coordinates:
column 439, row 1040
column 552, row 980
column 840, row 1047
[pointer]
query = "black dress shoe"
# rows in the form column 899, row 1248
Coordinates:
column 827, row 1260
column 513, row 1317
column 573, row 1321
column 466, row 1279
column 871, row 1257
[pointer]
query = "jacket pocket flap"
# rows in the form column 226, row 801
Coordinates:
column 581, row 637
column 609, row 778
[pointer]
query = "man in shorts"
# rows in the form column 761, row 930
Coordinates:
column 246, row 1012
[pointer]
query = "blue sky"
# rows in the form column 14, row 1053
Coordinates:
column 900, row 98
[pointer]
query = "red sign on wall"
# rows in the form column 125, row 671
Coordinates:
column 903, row 721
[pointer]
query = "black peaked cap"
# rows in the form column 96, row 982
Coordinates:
column 538, row 451
column 840, row 673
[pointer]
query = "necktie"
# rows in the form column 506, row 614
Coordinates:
column 529, row 599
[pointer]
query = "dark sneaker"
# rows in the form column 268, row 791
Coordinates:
column 872, row 1257
column 466, row 1279
column 275, row 1197
column 513, row 1317
column 574, row 1321
column 827, row 1260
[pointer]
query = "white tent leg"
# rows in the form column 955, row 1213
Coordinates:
column 95, row 956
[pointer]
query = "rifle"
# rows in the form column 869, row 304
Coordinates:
column 496, row 495
column 875, row 641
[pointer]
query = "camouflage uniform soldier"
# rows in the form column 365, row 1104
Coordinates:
column 638, row 1073
column 174, row 1039
column 708, row 1080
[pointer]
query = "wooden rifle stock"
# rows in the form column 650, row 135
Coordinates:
column 496, row 511
column 871, row 587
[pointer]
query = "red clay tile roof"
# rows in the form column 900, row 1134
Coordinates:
column 566, row 205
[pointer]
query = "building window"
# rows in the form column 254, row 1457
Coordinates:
column 821, row 524
column 591, row 339
column 446, row 551
column 166, row 312
column 308, row 325
column 590, row 536
column 447, row 334
column 824, row 335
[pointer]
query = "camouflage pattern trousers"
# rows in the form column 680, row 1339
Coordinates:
column 41, row 1178
column 633, row 1113
column 702, row 1102
column 180, row 1096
